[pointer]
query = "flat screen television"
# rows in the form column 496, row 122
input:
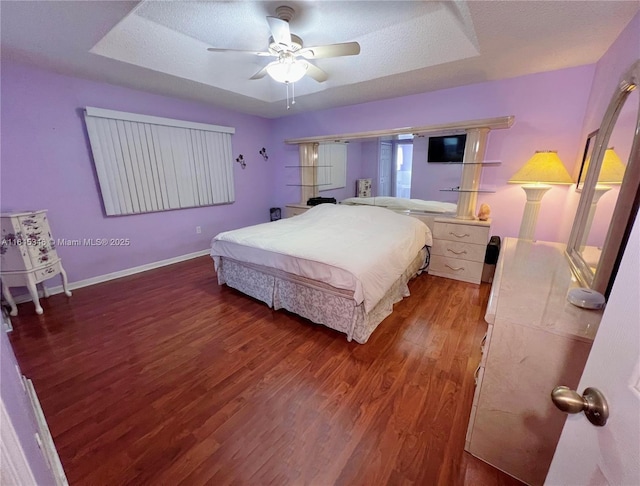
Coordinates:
column 449, row 148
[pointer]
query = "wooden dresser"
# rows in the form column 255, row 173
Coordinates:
column 459, row 248
column 28, row 255
column 535, row 341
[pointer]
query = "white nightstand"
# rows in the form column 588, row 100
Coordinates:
column 459, row 248
column 291, row 210
column 28, row 255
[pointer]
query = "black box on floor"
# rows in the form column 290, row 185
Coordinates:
column 490, row 259
column 275, row 214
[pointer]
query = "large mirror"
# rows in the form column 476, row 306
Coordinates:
column 610, row 191
column 398, row 167
column 431, row 169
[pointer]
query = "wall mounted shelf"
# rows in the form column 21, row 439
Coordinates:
column 455, row 189
column 307, row 185
column 497, row 123
column 304, row 166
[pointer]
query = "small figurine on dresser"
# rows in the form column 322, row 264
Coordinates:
column 484, row 212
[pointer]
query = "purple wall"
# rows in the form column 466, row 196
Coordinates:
column 47, row 164
column 549, row 110
column 618, row 58
column 611, row 66
column 18, row 407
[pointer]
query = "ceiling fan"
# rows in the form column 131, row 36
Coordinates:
column 288, row 48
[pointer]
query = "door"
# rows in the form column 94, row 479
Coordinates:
column 590, row 455
column 385, row 169
column 402, row 165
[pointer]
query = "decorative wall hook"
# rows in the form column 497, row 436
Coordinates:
column 263, row 152
column 240, row 160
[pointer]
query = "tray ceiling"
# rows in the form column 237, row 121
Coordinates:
column 406, row 46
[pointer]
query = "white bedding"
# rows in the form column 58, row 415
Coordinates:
column 358, row 248
column 399, row 203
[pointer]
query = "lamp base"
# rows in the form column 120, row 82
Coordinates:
column 534, row 192
column 598, row 192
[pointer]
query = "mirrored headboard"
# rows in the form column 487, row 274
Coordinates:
column 470, row 172
column 595, row 253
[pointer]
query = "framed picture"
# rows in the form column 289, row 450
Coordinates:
column 586, row 158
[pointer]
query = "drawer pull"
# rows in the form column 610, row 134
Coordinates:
column 459, row 236
column 455, row 269
column 463, row 252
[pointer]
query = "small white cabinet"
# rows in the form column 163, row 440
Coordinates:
column 459, row 248
column 291, row 210
column 28, row 255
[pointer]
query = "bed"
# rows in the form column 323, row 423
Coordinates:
column 421, row 209
column 337, row 265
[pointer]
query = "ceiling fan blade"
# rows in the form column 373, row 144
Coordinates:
column 280, row 31
column 241, row 51
column 330, row 50
column 315, row 72
column 263, row 72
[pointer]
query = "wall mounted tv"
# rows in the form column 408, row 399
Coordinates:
column 449, row 148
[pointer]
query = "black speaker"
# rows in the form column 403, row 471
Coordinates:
column 275, row 214
column 493, row 250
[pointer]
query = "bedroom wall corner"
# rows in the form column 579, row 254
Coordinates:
column 47, row 164
column 607, row 72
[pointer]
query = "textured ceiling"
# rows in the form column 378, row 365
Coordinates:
column 406, row 46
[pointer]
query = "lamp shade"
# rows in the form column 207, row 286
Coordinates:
column 287, row 71
column 545, row 167
column 612, row 170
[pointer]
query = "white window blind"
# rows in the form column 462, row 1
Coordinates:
column 146, row 163
column 332, row 166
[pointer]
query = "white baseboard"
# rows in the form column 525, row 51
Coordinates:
column 114, row 275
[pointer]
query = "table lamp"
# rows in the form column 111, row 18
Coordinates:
column 611, row 172
column 543, row 169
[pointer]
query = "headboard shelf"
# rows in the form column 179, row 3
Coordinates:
column 490, row 123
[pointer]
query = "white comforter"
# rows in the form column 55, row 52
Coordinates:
column 399, row 203
column 359, row 248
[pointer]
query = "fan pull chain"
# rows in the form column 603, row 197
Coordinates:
column 293, row 94
column 288, row 106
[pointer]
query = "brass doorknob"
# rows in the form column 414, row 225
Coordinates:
column 592, row 403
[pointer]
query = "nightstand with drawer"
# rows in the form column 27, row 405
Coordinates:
column 459, row 248
column 291, row 210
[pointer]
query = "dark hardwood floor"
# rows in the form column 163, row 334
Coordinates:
column 167, row 378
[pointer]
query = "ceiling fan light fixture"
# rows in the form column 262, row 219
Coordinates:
column 287, row 71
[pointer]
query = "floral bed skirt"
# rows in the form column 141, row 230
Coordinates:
column 313, row 300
